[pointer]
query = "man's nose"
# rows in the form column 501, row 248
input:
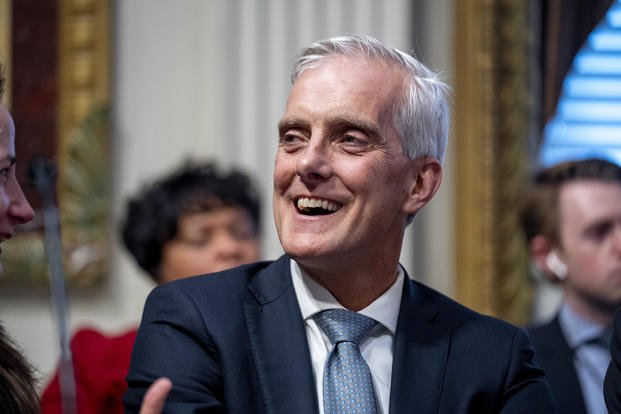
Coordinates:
column 314, row 163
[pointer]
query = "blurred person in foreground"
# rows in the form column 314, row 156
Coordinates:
column 359, row 154
column 17, row 382
column 194, row 220
column 571, row 218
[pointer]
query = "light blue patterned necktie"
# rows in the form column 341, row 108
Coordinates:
column 347, row 383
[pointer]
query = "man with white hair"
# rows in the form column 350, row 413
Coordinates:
column 336, row 325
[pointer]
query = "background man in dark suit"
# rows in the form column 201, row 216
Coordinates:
column 360, row 147
column 572, row 220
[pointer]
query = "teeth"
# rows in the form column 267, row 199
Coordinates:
column 305, row 202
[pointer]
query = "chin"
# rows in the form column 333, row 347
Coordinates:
column 301, row 252
column 309, row 252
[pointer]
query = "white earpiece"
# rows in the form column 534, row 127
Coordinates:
column 556, row 265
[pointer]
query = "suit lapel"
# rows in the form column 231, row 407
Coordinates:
column 278, row 339
column 420, row 355
column 557, row 360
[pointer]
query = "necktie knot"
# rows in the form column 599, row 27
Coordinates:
column 342, row 325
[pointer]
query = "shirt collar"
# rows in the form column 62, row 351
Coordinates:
column 314, row 298
column 577, row 330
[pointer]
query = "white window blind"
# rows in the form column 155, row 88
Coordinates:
column 587, row 122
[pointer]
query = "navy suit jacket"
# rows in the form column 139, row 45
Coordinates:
column 556, row 358
column 235, row 342
column 612, row 383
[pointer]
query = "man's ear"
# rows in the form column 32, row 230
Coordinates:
column 425, row 183
column 545, row 257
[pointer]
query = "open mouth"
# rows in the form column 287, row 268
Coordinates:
column 316, row 206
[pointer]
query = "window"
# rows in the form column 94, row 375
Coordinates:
column 588, row 118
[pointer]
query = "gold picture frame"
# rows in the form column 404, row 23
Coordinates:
column 494, row 115
column 81, row 154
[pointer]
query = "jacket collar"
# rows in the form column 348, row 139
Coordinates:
column 420, row 354
column 278, row 340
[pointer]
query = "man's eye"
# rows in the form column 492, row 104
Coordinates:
column 353, row 143
column 4, row 174
column 291, row 141
column 600, row 231
column 289, row 138
column 351, row 139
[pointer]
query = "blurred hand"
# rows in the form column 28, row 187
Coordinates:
column 155, row 396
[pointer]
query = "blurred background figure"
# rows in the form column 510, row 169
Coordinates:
column 571, row 218
column 194, row 220
column 17, row 384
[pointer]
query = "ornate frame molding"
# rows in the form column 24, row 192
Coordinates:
column 493, row 116
column 84, row 62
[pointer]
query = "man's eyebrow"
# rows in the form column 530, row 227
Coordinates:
column 287, row 123
column 355, row 123
column 599, row 223
column 340, row 122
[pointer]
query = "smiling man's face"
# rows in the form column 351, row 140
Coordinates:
column 342, row 183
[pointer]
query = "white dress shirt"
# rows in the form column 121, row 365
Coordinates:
column 376, row 348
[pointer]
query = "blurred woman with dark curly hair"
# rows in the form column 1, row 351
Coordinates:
column 196, row 220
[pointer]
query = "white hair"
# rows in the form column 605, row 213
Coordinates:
column 421, row 117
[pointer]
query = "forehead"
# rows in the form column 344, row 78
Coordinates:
column 589, row 200
column 347, row 83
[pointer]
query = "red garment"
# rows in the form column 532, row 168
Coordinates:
column 100, row 364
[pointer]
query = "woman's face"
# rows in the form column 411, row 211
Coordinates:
column 208, row 242
column 14, row 208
